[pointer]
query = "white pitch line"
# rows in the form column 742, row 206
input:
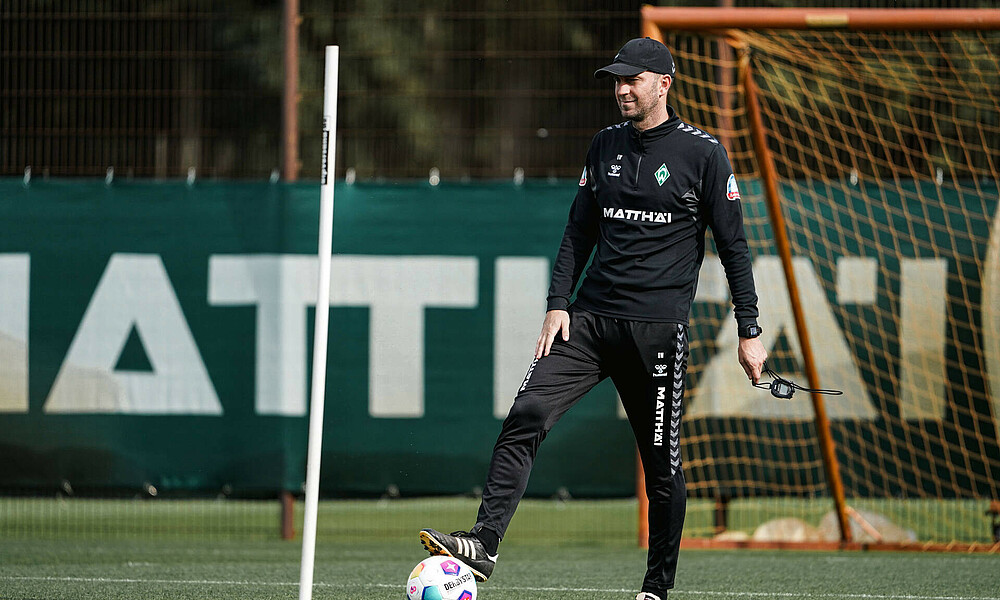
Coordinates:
column 720, row 594
column 131, row 580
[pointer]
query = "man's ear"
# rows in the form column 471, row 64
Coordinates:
column 665, row 82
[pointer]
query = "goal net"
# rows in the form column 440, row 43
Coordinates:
column 885, row 146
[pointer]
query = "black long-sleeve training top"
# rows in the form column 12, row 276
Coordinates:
column 645, row 199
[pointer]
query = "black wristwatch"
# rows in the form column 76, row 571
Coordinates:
column 750, row 331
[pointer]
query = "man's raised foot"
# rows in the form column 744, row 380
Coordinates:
column 463, row 546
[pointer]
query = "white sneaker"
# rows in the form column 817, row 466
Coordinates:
column 646, row 596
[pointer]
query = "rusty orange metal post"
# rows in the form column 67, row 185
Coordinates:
column 886, row 19
column 290, row 92
column 769, row 174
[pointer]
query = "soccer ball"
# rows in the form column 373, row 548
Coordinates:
column 441, row 578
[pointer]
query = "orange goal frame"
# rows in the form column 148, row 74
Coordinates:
column 885, row 19
column 722, row 20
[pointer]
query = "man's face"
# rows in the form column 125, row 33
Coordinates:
column 639, row 95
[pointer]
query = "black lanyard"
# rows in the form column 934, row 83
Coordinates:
column 784, row 388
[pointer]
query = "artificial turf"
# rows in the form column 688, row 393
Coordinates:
column 266, row 569
column 55, row 549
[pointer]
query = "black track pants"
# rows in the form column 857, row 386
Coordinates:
column 647, row 362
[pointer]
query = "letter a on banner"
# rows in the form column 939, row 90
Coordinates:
column 134, row 293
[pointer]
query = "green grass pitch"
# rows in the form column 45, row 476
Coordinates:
column 261, row 570
column 121, row 550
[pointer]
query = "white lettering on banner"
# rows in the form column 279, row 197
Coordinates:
column 134, row 292
column 724, row 389
column 712, row 283
column 397, row 289
column 991, row 317
column 282, row 287
column 519, row 298
column 922, row 341
column 14, row 277
column 857, row 280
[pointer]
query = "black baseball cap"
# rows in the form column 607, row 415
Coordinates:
column 638, row 55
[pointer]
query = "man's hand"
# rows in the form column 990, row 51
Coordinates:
column 555, row 321
column 752, row 357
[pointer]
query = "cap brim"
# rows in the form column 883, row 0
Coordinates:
column 619, row 69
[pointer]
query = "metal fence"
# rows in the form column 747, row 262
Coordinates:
column 146, row 89
column 193, row 88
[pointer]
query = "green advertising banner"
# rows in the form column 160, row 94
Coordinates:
column 160, row 334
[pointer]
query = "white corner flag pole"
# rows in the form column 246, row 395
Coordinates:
column 322, row 322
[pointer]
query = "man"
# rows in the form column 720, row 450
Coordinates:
column 650, row 187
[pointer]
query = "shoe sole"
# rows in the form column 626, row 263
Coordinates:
column 436, row 549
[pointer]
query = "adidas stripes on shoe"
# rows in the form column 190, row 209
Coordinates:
column 463, row 546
